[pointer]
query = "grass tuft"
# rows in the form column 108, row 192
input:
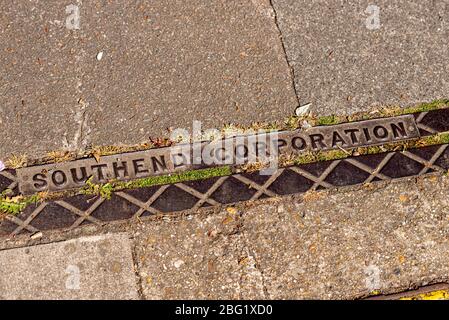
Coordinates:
column 15, row 205
column 16, row 161
column 311, row 156
column 328, row 120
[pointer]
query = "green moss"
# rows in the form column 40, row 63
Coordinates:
column 424, row 107
column 333, row 155
column 103, row 190
column 328, row 120
column 442, row 138
column 106, row 190
column 293, row 122
column 15, row 205
column 309, row 157
column 11, row 207
column 178, row 177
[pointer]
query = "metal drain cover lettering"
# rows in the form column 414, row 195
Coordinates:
column 351, row 134
column 129, row 166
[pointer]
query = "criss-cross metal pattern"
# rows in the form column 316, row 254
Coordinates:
column 8, row 181
column 134, row 204
column 69, row 213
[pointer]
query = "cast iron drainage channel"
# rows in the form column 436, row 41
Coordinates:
column 74, row 211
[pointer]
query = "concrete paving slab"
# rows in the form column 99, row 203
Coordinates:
column 338, row 245
column 134, row 69
column 96, row 267
column 197, row 258
column 351, row 56
column 40, row 78
column 347, row 245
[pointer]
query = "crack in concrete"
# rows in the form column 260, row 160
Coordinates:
column 281, row 38
column 136, row 268
column 80, row 139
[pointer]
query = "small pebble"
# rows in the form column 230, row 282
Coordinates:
column 37, row 235
column 100, row 55
column 231, row 210
column 306, row 125
column 303, row 110
column 178, row 264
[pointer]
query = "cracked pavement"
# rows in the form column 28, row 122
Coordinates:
column 344, row 63
column 163, row 65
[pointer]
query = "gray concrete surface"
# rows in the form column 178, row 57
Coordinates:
column 164, row 64
column 342, row 66
column 338, row 245
column 197, row 258
column 96, row 267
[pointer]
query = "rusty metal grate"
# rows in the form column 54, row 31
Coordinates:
column 8, row 180
column 83, row 209
column 75, row 211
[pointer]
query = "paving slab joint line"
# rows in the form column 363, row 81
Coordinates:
column 284, row 50
column 136, row 267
